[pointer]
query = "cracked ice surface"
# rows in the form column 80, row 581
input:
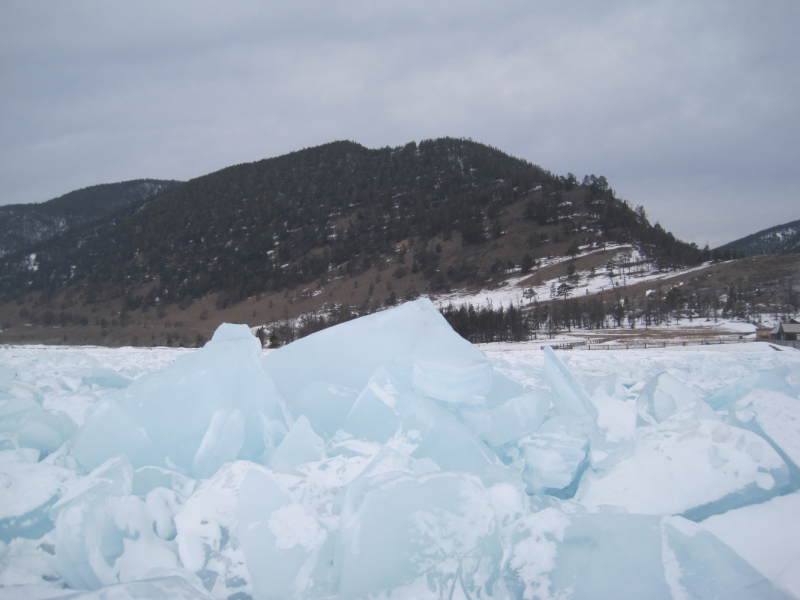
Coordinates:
column 389, row 458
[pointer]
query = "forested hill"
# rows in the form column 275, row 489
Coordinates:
column 22, row 225
column 781, row 239
column 331, row 210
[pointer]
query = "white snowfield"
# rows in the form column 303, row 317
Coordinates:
column 627, row 267
column 387, row 458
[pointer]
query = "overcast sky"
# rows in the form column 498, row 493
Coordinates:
column 691, row 109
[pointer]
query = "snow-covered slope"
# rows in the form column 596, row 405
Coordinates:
column 628, row 267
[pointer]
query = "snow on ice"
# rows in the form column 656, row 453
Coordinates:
column 389, row 458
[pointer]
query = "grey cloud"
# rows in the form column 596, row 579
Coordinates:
column 678, row 104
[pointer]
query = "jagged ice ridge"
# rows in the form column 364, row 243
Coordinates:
column 389, row 458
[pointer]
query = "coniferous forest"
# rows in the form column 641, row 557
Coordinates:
column 25, row 225
column 320, row 212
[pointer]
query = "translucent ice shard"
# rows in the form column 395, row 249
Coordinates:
column 221, row 443
column 13, row 411
column 14, row 388
column 446, row 366
column 606, row 385
column 103, row 535
column 613, row 437
column 694, row 468
column 106, row 378
column 660, row 397
column 164, row 418
column 146, row 479
column 178, row 403
column 280, row 538
column 162, row 506
column 111, row 430
column 534, row 550
column 374, row 416
column 770, row 379
column 663, row 396
column 436, row 531
column 775, row 417
column 503, row 389
column 701, row 565
column 619, row 556
column 387, row 465
column 207, row 527
column 570, row 398
column 7, row 375
column 435, row 360
column 301, row 445
column 114, row 478
column 45, row 430
column 451, row 445
column 765, row 535
column 556, row 454
column 27, row 492
column 511, row 420
column 325, row 405
column 386, row 408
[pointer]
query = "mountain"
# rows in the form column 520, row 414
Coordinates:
column 329, row 232
column 22, row 225
column 781, row 239
column 338, row 208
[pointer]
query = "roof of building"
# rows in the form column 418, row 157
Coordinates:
column 789, row 328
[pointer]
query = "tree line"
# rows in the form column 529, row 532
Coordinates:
column 516, row 323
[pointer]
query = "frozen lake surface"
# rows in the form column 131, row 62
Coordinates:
column 388, row 458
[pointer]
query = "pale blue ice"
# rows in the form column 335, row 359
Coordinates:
column 384, row 458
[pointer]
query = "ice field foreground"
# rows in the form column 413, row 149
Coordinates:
column 389, row 458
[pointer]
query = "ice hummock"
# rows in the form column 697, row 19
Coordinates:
column 209, row 407
column 387, row 457
column 413, row 341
